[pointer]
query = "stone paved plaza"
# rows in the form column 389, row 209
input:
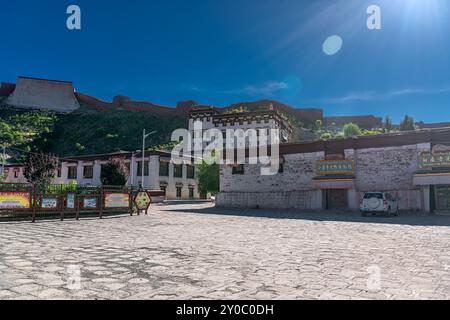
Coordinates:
column 195, row 251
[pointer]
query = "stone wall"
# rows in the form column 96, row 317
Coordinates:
column 299, row 170
column 289, row 189
column 388, row 169
column 301, row 200
column 33, row 93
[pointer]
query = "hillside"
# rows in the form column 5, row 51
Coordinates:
column 85, row 131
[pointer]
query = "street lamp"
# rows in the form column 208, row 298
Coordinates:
column 144, row 136
column 3, row 162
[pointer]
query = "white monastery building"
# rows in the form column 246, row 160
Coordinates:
column 324, row 175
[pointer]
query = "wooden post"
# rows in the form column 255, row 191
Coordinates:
column 77, row 207
column 101, row 203
column 130, row 196
column 62, row 205
column 33, row 203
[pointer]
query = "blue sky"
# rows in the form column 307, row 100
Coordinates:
column 222, row 52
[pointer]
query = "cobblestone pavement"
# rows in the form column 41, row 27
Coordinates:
column 194, row 251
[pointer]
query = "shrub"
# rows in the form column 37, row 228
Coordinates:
column 351, row 130
column 114, row 173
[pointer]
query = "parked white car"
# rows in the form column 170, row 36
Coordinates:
column 379, row 202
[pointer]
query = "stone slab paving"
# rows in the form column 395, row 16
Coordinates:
column 195, row 251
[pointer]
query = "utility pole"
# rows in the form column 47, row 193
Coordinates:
column 144, row 136
column 131, row 169
column 3, row 161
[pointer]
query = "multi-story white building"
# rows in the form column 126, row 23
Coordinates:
column 160, row 173
column 206, row 117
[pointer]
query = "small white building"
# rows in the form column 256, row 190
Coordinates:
column 160, row 173
column 14, row 173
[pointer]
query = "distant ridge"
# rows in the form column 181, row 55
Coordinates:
column 60, row 96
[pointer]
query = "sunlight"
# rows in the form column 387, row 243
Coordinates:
column 423, row 8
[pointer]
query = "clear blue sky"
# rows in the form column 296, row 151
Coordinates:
column 221, row 52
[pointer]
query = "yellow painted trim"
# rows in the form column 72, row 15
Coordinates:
column 432, row 174
column 335, row 180
column 319, row 162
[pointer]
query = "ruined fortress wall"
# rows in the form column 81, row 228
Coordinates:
column 33, row 93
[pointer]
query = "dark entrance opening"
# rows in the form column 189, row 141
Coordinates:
column 441, row 198
column 335, row 199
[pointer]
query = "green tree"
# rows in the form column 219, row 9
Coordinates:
column 208, row 178
column 351, row 130
column 326, row 136
column 387, row 124
column 40, row 169
column 319, row 124
column 407, row 124
column 114, row 173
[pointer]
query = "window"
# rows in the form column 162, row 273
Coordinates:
column 373, row 195
column 239, row 169
column 16, row 173
column 164, row 188
column 139, row 168
column 163, row 169
column 190, row 172
column 191, row 193
column 179, row 192
column 58, row 172
column 178, row 170
column 88, row 172
column 72, row 173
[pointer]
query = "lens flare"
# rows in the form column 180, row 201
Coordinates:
column 332, row 45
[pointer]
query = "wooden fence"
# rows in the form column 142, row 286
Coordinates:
column 23, row 201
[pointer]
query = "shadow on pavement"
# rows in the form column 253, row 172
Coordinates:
column 413, row 219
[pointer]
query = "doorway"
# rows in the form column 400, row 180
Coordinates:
column 442, row 198
column 336, row 199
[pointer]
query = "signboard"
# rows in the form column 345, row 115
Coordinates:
column 143, row 200
column 90, row 203
column 117, row 200
column 49, row 203
column 429, row 160
column 14, row 200
column 335, row 167
column 70, row 201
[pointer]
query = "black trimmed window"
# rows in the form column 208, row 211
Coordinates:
column 163, row 169
column 239, row 169
column 178, row 170
column 190, row 172
column 88, row 172
column 139, row 168
column 71, row 172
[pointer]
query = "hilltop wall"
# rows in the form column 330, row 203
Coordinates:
column 31, row 93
